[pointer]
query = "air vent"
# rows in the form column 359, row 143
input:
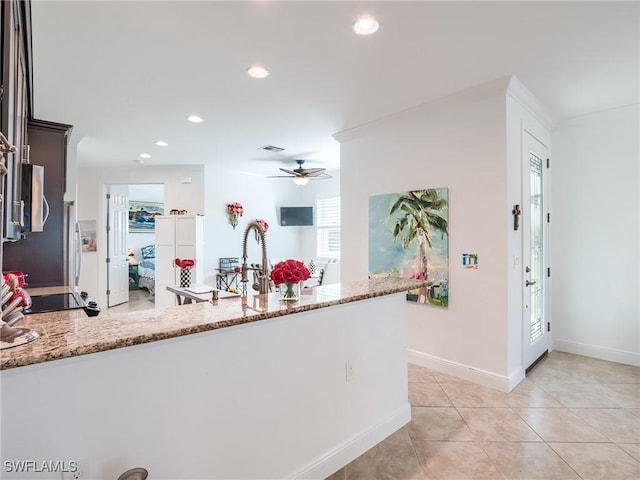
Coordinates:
column 271, row 148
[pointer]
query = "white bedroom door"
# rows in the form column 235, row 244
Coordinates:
column 117, row 232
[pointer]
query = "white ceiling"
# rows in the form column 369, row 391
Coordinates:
column 128, row 73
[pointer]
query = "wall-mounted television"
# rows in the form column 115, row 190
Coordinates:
column 296, row 216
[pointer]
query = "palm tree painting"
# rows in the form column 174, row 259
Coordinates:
column 408, row 237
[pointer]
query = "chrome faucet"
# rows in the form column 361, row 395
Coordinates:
column 264, row 277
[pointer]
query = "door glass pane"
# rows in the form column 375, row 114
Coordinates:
column 536, row 245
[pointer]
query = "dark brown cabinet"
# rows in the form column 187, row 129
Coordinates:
column 41, row 254
column 44, row 255
column 16, row 107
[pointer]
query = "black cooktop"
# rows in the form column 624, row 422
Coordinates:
column 55, row 302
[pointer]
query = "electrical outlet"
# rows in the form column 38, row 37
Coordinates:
column 348, row 371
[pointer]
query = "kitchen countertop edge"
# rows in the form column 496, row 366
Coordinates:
column 71, row 334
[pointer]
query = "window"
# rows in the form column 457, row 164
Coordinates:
column 328, row 227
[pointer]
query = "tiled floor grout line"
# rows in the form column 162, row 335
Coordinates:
column 480, row 444
column 548, row 444
column 563, row 459
column 415, row 453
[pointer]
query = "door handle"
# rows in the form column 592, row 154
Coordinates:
column 528, row 283
column 45, row 204
column 20, row 209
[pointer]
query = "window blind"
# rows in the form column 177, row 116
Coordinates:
column 328, row 227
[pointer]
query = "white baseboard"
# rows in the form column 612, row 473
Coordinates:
column 619, row 356
column 355, row 446
column 466, row 372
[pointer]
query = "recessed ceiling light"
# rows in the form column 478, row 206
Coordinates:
column 162, row 143
column 366, row 26
column 195, row 119
column 257, row 71
column 145, row 155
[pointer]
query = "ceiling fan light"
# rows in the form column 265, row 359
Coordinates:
column 300, row 180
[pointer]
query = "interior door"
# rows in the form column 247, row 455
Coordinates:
column 117, row 232
column 534, row 234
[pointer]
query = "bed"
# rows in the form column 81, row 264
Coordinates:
column 147, row 268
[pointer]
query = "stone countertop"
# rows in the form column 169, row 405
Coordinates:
column 71, row 333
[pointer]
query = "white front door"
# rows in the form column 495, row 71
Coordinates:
column 117, row 232
column 534, row 234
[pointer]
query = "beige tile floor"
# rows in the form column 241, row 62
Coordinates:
column 138, row 300
column 573, row 417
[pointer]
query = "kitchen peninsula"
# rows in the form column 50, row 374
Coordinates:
column 248, row 388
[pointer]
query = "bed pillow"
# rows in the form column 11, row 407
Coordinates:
column 148, row 252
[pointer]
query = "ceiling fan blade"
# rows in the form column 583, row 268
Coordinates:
column 314, row 172
column 279, row 176
column 319, row 177
column 290, row 172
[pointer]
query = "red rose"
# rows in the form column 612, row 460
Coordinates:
column 184, row 263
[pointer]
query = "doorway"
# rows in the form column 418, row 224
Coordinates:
column 117, row 269
column 534, row 239
column 130, row 244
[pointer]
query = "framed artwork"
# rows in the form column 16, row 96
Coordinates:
column 142, row 215
column 88, row 235
column 408, row 237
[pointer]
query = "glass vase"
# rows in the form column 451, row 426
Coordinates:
column 289, row 291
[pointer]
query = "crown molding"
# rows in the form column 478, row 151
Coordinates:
column 483, row 90
column 530, row 102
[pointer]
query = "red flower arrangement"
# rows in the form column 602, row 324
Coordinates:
column 289, row 271
column 184, row 263
column 263, row 224
column 235, row 209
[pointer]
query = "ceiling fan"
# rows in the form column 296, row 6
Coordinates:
column 302, row 175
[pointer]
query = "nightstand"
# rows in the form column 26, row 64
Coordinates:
column 134, row 277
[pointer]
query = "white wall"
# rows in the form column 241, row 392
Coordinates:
column 459, row 143
column 595, row 241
